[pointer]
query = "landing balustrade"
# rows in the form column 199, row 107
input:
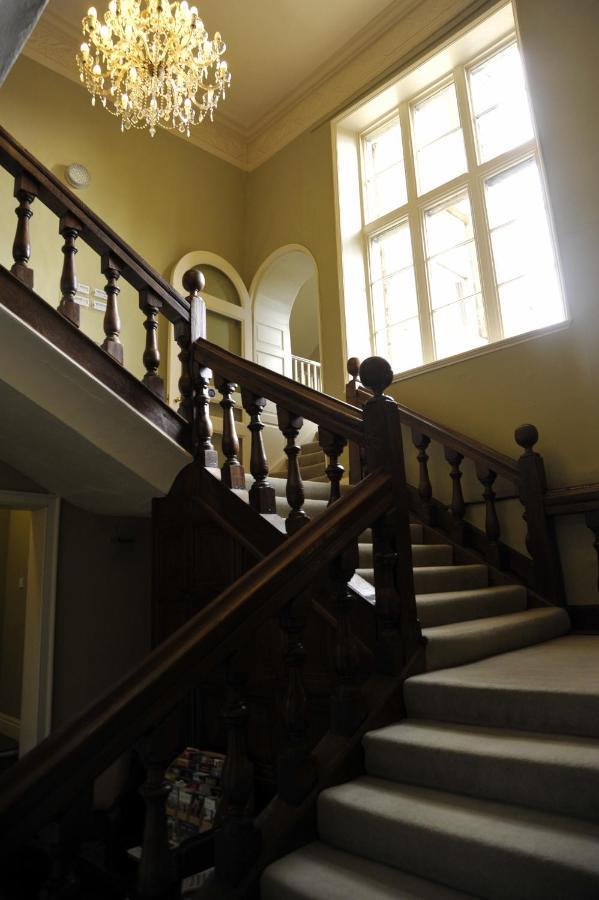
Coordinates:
column 306, row 371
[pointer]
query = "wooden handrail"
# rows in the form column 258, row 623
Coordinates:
column 43, row 783
column 57, row 197
column 332, row 414
column 578, row 498
column 479, row 453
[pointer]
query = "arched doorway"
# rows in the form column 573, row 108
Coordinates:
column 285, row 304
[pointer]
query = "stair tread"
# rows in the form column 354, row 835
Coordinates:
column 552, row 687
column 494, row 850
column 422, row 554
column 434, row 579
column 461, row 642
column 554, row 772
column 341, row 875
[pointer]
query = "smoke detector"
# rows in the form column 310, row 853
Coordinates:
column 77, row 176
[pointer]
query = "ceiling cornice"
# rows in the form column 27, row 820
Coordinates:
column 391, row 36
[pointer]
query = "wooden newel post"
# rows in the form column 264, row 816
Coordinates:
column 347, row 702
column 296, row 765
column 237, row 841
column 186, row 332
column 111, row 269
column 70, row 229
column 156, row 878
column 540, row 540
column 151, row 305
column 399, row 634
column 26, row 190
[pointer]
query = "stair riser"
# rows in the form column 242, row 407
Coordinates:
column 422, row 555
column 560, row 788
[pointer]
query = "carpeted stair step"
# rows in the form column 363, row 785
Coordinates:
column 492, row 850
column 313, row 490
column 458, row 606
column 311, row 458
column 551, row 688
column 422, row 555
column 312, row 471
column 435, row 579
column 462, row 642
column 311, row 447
column 321, row 872
column 552, row 772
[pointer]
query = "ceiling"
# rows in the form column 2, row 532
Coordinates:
column 280, row 53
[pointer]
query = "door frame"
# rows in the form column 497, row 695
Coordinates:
column 40, row 614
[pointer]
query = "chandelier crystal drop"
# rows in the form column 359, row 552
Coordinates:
column 152, row 64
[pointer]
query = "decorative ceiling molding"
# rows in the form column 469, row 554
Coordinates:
column 391, row 36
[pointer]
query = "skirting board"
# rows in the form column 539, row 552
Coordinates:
column 10, row 726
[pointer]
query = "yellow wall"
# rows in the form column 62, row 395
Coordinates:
column 162, row 195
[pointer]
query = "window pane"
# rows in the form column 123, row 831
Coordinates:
column 459, row 327
column 525, row 268
column 454, row 283
column 390, row 251
column 500, row 104
column 438, row 139
column 400, row 345
column 385, row 180
column 394, row 301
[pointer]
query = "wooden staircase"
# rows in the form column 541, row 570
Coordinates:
column 290, row 611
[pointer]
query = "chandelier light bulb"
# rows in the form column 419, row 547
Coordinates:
column 152, row 64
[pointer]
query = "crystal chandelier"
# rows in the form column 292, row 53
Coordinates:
column 152, row 63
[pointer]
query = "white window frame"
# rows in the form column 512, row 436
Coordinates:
column 472, row 181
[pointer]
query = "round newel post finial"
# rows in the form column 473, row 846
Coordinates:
column 526, row 437
column 193, row 281
column 376, row 374
column 353, row 367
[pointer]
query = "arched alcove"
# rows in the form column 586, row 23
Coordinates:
column 287, row 276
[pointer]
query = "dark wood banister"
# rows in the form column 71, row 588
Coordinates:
column 96, row 233
column 469, row 447
column 46, row 779
column 481, row 454
column 578, row 498
column 332, row 414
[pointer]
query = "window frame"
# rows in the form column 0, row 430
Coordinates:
column 414, row 209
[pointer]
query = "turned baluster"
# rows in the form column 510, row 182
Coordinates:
column 541, row 541
column 347, row 701
column 457, row 507
column 262, row 494
column 290, row 425
column 186, row 332
column 296, row 765
column 203, row 449
column 399, row 637
column 233, row 475
column 487, row 478
column 425, row 490
column 156, row 876
column 151, row 305
column 592, row 521
column 70, row 229
column 26, row 190
column 111, row 269
column 332, row 446
column 237, row 841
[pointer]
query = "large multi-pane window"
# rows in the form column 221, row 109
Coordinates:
column 456, row 235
